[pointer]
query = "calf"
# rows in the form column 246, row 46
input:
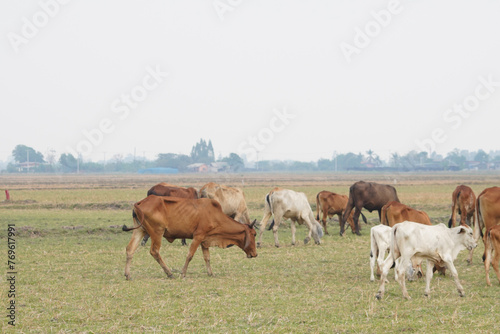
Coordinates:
column 330, row 204
column 396, row 212
column 491, row 241
column 285, row 203
column 437, row 244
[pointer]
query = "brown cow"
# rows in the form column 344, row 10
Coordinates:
column 368, row 195
column 331, row 204
column 199, row 219
column 232, row 200
column 395, row 212
column 463, row 201
column 165, row 189
column 491, row 241
column 487, row 211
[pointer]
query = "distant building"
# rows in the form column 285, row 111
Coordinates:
column 214, row 167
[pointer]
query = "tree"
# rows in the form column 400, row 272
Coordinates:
column 234, row 161
column 172, row 160
column 68, row 162
column 203, row 152
column 22, row 153
column 482, row 156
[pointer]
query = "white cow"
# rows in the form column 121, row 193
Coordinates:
column 380, row 241
column 285, row 203
column 415, row 242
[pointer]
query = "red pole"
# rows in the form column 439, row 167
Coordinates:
column 7, row 195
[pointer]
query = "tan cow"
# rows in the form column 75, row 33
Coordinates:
column 232, row 200
column 199, row 219
column 396, row 212
column 463, row 201
column 330, row 204
column 491, row 241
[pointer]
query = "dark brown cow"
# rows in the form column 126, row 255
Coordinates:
column 491, row 241
column 199, row 219
column 368, row 195
column 395, row 212
column 463, row 201
column 165, row 189
column 487, row 211
column 331, row 204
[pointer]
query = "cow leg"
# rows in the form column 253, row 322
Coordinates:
column 155, row 252
column 137, row 235
column 401, row 271
column 192, row 249
column 263, row 224
column 487, row 262
column 496, row 259
column 206, row 257
column 278, row 216
column 428, row 277
column 355, row 218
column 451, row 267
column 389, row 261
column 324, row 220
column 294, row 229
column 145, row 240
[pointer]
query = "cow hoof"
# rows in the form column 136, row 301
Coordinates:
column 277, row 246
column 378, row 296
column 306, row 240
column 258, row 245
column 461, row 293
column 358, row 233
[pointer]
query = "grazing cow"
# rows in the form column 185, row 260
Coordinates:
column 199, row 219
column 232, row 200
column 165, row 189
column 487, row 211
column 331, row 204
column 395, row 212
column 285, row 203
column 438, row 244
column 368, row 195
column 463, row 201
column 492, row 245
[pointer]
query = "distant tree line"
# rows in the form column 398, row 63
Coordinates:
column 29, row 160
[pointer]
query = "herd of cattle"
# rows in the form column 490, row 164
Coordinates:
column 217, row 215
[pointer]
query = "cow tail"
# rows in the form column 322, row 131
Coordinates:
column 136, row 219
column 364, row 218
column 384, row 216
column 454, row 209
column 271, row 209
column 317, row 207
column 394, row 245
column 479, row 219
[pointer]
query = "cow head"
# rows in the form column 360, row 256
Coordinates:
column 250, row 234
column 467, row 237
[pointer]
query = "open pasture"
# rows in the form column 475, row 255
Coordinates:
column 70, row 258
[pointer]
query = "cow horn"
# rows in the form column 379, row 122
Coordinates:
column 253, row 223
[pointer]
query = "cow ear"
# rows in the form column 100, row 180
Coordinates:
column 462, row 230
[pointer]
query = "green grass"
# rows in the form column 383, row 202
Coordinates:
column 71, row 280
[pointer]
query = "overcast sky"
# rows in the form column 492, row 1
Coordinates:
column 282, row 79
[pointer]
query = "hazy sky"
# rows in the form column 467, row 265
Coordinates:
column 283, row 79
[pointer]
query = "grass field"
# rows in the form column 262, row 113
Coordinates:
column 70, row 258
